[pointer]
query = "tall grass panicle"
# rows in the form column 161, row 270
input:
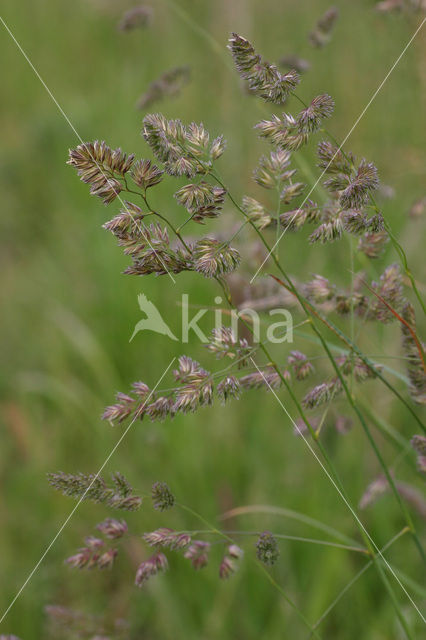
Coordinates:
column 343, row 209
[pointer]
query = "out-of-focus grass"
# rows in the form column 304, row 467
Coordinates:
column 67, row 315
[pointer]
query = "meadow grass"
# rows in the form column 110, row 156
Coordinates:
column 68, row 314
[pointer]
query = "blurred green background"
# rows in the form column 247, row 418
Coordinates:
column 68, row 312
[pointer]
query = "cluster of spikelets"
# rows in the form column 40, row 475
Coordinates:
column 350, row 183
column 319, row 36
column 325, row 295
column 188, row 151
column 196, row 551
column 119, row 495
column 419, row 445
column 414, row 351
column 169, row 84
column 263, row 78
column 183, row 151
column 136, row 18
column 350, row 187
column 325, row 392
column 101, row 167
column 323, row 30
column 198, row 387
column 380, row 486
column 390, row 6
column 289, row 132
column 99, row 554
column 148, row 245
column 151, row 250
column 202, row 200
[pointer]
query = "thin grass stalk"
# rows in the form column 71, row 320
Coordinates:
column 215, row 45
column 397, row 246
column 314, row 632
column 385, row 429
column 328, row 323
column 288, row 513
column 357, row 576
column 350, row 397
column 348, row 394
column 280, row 536
column 270, row 578
column 339, row 484
column 324, row 454
column 305, row 304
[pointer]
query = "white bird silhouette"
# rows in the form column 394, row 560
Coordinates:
column 153, row 321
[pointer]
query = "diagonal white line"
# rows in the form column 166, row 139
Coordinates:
column 353, row 580
column 114, row 449
column 357, row 121
column 139, row 228
column 308, row 444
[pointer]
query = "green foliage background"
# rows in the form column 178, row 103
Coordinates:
column 67, row 315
